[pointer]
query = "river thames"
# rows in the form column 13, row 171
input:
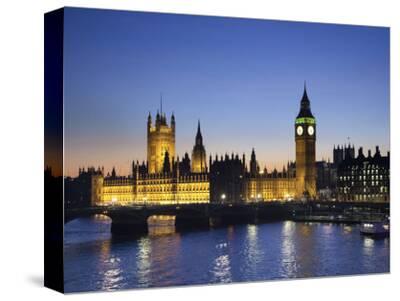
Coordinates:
column 94, row 260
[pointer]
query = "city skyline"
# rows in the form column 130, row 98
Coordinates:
column 245, row 92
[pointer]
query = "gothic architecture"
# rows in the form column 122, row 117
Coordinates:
column 341, row 153
column 166, row 179
column 262, row 185
column 160, row 139
column 305, row 136
column 199, row 153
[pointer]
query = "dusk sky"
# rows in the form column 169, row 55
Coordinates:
column 243, row 78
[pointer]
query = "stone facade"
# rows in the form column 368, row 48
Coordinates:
column 305, row 137
column 160, row 139
column 164, row 179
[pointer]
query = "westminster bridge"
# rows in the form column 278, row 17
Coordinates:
column 133, row 219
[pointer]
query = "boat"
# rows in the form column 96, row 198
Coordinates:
column 375, row 229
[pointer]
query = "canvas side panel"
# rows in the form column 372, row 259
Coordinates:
column 53, row 150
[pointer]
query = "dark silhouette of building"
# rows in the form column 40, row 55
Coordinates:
column 327, row 171
column 342, row 152
column 325, row 175
column 338, row 155
column 166, row 164
column 364, row 178
column 84, row 190
column 226, row 179
column 326, row 180
column 140, row 168
column 254, row 168
column 184, row 165
column 199, row 158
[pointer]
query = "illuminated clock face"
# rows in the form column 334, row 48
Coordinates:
column 299, row 130
column 310, row 130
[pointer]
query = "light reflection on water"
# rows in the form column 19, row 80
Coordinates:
column 252, row 252
column 94, row 260
column 109, row 265
column 222, row 270
column 143, row 261
column 288, row 258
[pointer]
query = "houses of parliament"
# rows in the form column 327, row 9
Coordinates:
column 167, row 178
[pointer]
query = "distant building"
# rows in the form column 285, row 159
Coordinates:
column 364, row 178
column 184, row 165
column 160, row 139
column 327, row 172
column 326, row 180
column 341, row 153
column 261, row 185
column 165, row 179
column 226, row 179
column 326, row 175
column 199, row 154
column 84, row 190
column 117, row 189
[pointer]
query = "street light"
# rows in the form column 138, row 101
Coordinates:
column 223, row 197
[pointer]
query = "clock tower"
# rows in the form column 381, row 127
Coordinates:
column 305, row 136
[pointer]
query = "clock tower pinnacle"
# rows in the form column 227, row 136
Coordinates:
column 305, row 137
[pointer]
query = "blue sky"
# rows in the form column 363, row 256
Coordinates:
column 243, row 78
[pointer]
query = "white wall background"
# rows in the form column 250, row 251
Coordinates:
column 21, row 148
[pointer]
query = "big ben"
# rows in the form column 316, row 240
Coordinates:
column 305, row 136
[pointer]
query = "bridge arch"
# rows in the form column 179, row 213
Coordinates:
column 75, row 213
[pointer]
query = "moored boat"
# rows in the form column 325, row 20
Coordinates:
column 376, row 229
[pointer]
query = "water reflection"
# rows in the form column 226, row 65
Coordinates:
column 221, row 266
column 108, row 266
column 161, row 225
column 143, row 261
column 288, row 255
column 222, row 269
column 368, row 246
column 252, row 251
column 328, row 229
column 347, row 229
column 157, row 252
column 312, row 248
column 231, row 233
column 94, row 260
column 111, row 279
column 165, row 259
column 161, row 230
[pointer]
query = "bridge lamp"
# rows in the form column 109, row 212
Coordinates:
column 259, row 196
column 223, row 196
